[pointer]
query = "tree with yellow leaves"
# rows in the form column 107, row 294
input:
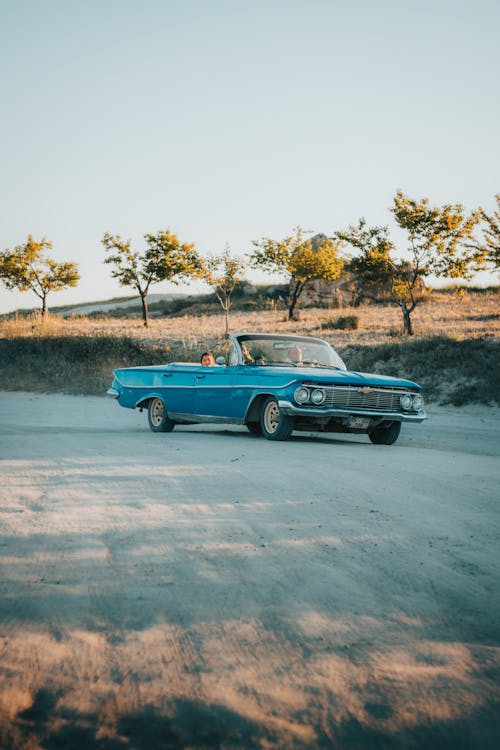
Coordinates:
column 29, row 268
column 164, row 259
column 439, row 243
column 490, row 248
column 304, row 260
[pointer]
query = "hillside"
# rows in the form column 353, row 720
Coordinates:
column 455, row 353
column 246, row 296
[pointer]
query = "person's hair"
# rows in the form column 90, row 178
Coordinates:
column 208, row 354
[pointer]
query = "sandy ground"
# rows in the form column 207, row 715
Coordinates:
column 209, row 589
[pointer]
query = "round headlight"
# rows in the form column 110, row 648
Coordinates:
column 406, row 401
column 301, row 395
column 418, row 402
column 317, row 396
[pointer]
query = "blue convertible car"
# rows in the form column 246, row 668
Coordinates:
column 273, row 384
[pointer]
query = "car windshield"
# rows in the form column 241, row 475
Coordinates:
column 289, row 351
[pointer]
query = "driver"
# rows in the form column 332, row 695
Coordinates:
column 247, row 357
column 295, row 355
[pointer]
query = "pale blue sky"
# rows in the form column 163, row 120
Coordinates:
column 229, row 120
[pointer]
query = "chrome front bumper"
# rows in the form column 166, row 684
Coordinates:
column 331, row 411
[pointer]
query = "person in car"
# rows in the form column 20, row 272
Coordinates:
column 207, row 359
column 247, row 357
column 295, row 355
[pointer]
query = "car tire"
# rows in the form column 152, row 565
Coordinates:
column 385, row 435
column 158, row 419
column 274, row 424
column 254, row 428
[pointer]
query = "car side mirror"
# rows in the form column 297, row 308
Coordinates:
column 221, row 361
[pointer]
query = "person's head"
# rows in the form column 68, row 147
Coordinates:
column 295, row 353
column 207, row 359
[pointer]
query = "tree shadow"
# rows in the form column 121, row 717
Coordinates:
column 192, row 724
column 185, row 724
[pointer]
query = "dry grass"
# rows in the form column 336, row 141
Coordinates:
column 454, row 355
column 459, row 316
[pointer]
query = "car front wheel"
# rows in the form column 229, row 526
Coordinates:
column 385, row 434
column 275, row 425
column 158, row 419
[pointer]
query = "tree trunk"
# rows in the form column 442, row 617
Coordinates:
column 44, row 305
column 144, row 301
column 226, row 315
column 407, row 321
column 294, row 298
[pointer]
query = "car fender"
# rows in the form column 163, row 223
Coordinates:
column 143, row 402
column 254, row 408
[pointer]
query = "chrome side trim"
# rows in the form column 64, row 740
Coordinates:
column 168, row 386
column 253, row 386
column 156, row 387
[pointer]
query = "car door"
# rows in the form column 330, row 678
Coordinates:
column 213, row 392
column 248, row 382
column 176, row 386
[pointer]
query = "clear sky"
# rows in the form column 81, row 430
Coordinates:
column 230, row 120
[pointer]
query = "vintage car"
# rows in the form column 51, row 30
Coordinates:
column 274, row 384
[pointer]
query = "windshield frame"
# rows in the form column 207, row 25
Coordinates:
column 331, row 360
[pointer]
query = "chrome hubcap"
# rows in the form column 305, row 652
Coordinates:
column 157, row 412
column 271, row 417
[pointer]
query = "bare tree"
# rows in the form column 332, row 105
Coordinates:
column 222, row 273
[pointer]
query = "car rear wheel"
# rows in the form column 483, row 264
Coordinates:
column 274, row 424
column 254, row 428
column 158, row 419
column 385, row 434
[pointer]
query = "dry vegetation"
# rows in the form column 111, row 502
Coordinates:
column 461, row 315
column 78, row 354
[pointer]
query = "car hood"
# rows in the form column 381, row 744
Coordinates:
column 332, row 376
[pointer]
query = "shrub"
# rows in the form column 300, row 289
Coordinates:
column 78, row 364
column 450, row 371
column 344, row 323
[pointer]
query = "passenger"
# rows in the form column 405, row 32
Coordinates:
column 247, row 357
column 208, row 359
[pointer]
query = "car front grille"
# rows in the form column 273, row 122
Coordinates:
column 382, row 399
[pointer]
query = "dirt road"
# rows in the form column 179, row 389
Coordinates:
column 210, row 589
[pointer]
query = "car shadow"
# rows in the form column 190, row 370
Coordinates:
column 337, row 438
